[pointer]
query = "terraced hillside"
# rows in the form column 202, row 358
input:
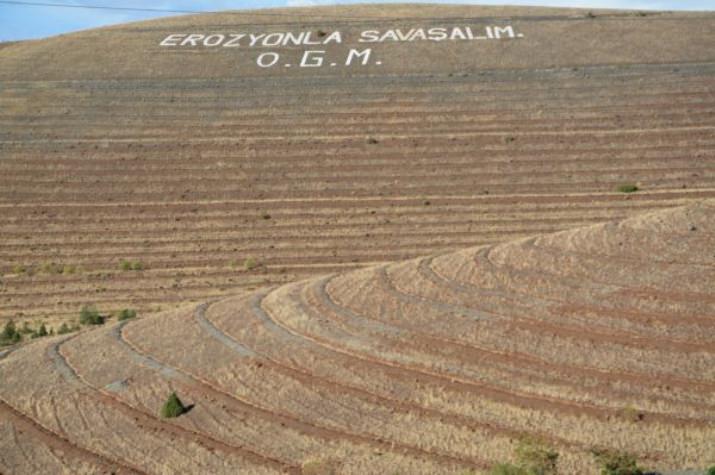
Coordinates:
column 597, row 337
column 187, row 162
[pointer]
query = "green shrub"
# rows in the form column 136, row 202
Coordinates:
column 173, row 407
column 42, row 331
column 628, row 188
column 711, row 470
column 69, row 269
column 9, row 335
column 616, row 463
column 126, row 314
column 90, row 316
column 65, row 329
column 131, row 265
column 250, row 264
column 534, row 455
column 19, row 269
column 52, row 268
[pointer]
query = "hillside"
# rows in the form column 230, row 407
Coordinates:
column 209, row 173
column 597, row 337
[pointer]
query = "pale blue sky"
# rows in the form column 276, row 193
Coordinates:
column 24, row 21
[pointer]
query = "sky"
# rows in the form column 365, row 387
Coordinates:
column 18, row 22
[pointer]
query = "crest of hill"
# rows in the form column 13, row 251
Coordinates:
column 602, row 334
column 554, row 37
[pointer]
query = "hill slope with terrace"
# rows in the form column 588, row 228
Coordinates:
column 136, row 175
column 596, row 338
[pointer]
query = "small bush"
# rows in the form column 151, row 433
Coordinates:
column 250, row 264
column 533, row 457
column 126, row 265
column 51, row 268
column 65, row 329
column 711, row 470
column 40, row 332
column 173, row 407
column 19, row 269
column 69, row 269
column 536, row 457
column 10, row 335
column 90, row 316
column 126, row 314
column 617, row 463
column 628, row 188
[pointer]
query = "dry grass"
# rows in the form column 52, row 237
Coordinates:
column 148, row 172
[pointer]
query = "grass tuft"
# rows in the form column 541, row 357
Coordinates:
column 628, row 188
column 126, row 314
column 19, row 269
column 250, row 264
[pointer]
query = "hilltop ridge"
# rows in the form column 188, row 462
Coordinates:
column 553, row 38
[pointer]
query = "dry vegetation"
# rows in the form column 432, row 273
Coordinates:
column 597, row 341
column 144, row 191
column 562, row 188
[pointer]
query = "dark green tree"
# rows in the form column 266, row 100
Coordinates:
column 9, row 334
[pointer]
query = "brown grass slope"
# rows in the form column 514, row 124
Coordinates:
column 113, row 148
column 597, row 337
